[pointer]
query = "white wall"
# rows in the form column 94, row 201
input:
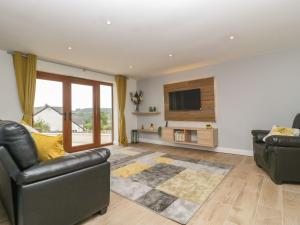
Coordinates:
column 253, row 93
column 9, row 102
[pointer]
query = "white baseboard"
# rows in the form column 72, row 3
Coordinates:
column 217, row 149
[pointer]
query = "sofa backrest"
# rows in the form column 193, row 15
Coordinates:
column 19, row 143
column 296, row 123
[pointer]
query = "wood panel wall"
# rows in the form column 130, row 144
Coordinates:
column 207, row 112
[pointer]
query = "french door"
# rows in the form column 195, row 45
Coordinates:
column 79, row 109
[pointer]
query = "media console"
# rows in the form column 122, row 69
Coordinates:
column 203, row 137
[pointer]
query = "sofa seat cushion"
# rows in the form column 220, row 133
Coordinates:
column 63, row 165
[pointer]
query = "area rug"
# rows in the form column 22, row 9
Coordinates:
column 172, row 186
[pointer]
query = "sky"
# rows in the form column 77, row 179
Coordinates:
column 50, row 92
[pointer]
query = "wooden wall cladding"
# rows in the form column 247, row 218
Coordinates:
column 207, row 112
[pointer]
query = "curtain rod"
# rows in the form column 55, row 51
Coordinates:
column 66, row 64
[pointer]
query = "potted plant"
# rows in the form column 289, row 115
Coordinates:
column 159, row 131
column 136, row 98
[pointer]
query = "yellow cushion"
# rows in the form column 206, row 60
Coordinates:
column 48, row 147
column 283, row 131
column 28, row 127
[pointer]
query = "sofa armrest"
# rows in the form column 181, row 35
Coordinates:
column 283, row 141
column 258, row 135
column 63, row 165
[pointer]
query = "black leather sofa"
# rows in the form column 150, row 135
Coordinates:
column 63, row 191
column 279, row 156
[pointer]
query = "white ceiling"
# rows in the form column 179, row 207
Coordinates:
column 144, row 32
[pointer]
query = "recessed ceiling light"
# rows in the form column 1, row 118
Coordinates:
column 170, row 55
column 130, row 67
column 231, row 37
column 69, row 48
column 108, row 22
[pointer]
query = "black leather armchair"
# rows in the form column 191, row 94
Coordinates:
column 279, row 156
column 63, row 191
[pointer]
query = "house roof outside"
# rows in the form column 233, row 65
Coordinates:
column 58, row 109
column 75, row 119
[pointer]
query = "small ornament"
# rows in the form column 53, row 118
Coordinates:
column 136, row 98
column 208, row 126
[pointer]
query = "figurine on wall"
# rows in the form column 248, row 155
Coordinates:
column 136, row 98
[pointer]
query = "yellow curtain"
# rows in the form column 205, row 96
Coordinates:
column 121, row 91
column 25, row 71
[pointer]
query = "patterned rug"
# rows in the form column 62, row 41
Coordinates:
column 172, row 186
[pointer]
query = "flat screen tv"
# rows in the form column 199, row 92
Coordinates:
column 186, row 100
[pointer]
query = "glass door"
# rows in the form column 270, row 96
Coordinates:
column 82, row 114
column 106, row 114
column 80, row 109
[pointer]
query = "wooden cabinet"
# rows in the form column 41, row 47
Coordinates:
column 206, row 137
column 167, row 134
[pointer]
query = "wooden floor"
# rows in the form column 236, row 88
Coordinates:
column 246, row 196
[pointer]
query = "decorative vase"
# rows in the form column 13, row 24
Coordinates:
column 137, row 107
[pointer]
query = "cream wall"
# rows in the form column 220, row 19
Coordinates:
column 9, row 103
column 253, row 93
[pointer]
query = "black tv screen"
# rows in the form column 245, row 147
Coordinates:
column 185, row 100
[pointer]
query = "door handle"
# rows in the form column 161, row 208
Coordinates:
column 65, row 116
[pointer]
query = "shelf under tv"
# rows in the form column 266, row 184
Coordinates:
column 145, row 113
column 186, row 143
column 147, row 131
column 203, row 137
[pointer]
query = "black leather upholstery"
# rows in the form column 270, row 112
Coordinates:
column 9, row 164
column 279, row 156
column 18, row 141
column 258, row 135
column 296, row 123
column 284, row 141
column 60, row 166
column 8, row 173
column 62, row 191
column 66, row 199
